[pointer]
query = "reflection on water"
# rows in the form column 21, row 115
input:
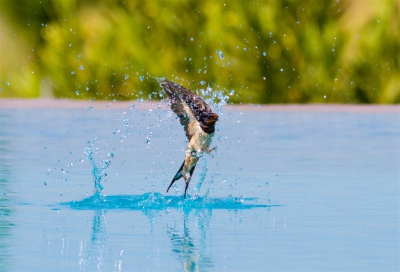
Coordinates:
column 189, row 251
column 188, row 231
column 188, row 240
column 92, row 253
column 6, row 209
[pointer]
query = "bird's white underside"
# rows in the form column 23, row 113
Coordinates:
column 200, row 141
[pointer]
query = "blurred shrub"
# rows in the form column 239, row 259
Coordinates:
column 265, row 51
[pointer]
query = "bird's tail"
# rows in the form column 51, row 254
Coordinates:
column 178, row 175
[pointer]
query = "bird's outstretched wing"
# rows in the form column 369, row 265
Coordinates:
column 186, row 105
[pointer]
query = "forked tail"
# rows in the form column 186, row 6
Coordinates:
column 178, row 175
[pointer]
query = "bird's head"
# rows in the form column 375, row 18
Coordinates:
column 210, row 119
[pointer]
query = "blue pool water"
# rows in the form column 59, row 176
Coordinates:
column 287, row 189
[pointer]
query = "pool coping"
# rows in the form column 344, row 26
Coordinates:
column 46, row 103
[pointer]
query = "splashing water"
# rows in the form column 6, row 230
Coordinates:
column 220, row 54
column 215, row 98
column 156, row 201
column 203, row 174
column 153, row 200
column 97, row 173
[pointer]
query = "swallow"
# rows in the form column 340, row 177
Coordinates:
column 199, row 124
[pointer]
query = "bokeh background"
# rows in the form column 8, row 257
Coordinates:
column 330, row 51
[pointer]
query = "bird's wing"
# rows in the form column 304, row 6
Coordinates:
column 182, row 103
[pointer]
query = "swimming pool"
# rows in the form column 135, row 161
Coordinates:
column 289, row 188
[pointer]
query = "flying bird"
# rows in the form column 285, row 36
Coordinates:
column 199, row 124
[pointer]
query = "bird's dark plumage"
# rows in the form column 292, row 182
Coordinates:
column 199, row 123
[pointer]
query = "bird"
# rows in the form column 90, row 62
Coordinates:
column 199, row 124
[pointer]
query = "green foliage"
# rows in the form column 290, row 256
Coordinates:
column 272, row 51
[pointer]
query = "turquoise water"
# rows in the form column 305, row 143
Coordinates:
column 85, row 189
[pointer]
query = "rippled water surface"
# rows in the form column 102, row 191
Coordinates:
column 286, row 190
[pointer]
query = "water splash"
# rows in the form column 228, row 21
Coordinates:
column 220, row 54
column 97, row 172
column 218, row 99
column 203, row 174
column 157, row 201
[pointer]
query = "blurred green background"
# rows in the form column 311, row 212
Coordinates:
column 256, row 51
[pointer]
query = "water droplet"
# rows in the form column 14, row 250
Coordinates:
column 264, row 54
column 141, row 78
column 232, row 92
column 220, row 54
column 126, row 77
column 110, row 155
column 324, row 96
column 281, row 70
column 81, row 67
column 191, row 39
column 87, row 88
column 73, row 73
column 8, row 83
column 245, row 49
column 77, row 92
column 79, row 56
column 148, row 138
column 202, row 82
column 45, row 183
column 90, row 108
